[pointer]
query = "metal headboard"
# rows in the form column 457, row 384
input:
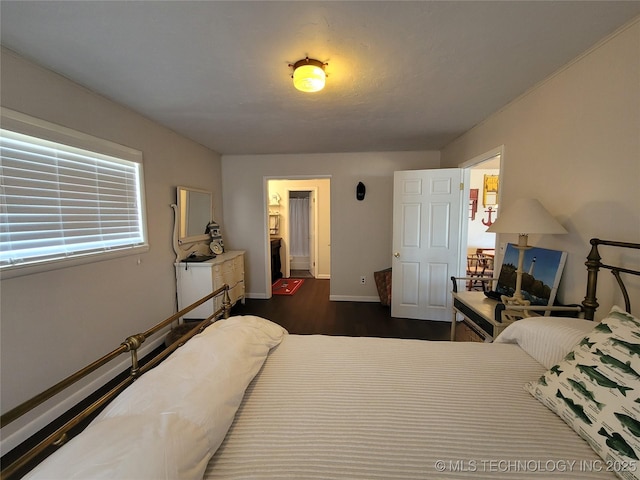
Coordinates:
column 594, row 264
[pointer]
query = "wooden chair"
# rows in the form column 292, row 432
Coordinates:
column 479, row 268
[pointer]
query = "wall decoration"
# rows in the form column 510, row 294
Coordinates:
column 489, row 221
column 542, row 270
column 490, row 191
column 473, row 202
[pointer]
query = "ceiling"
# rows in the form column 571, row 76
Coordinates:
column 401, row 75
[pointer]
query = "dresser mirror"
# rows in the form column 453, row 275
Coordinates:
column 195, row 211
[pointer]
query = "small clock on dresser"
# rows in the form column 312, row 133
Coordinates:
column 216, row 247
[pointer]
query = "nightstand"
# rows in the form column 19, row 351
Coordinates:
column 479, row 323
column 485, row 318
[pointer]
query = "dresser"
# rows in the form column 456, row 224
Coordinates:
column 196, row 280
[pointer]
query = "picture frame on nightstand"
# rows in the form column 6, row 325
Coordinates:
column 542, row 271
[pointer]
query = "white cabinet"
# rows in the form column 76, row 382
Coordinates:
column 196, row 280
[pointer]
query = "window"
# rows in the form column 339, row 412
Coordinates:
column 65, row 197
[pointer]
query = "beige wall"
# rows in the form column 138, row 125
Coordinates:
column 323, row 188
column 55, row 322
column 574, row 143
column 360, row 231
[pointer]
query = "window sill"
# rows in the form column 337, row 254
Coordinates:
column 20, row 270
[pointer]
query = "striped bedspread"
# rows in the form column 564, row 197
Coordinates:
column 367, row 408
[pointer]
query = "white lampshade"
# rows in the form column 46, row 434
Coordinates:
column 525, row 216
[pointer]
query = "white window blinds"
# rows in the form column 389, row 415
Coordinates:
column 59, row 201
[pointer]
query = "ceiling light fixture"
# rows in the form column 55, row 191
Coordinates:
column 308, row 75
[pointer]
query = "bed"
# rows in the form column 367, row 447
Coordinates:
column 553, row 397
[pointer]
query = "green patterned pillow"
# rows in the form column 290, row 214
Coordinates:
column 596, row 391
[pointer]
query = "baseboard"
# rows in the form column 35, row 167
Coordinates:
column 353, row 298
column 323, row 276
column 299, row 263
column 259, row 296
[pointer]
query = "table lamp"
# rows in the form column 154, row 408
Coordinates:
column 524, row 216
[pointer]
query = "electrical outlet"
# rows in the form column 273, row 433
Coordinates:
column 363, row 280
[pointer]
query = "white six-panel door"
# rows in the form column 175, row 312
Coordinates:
column 427, row 218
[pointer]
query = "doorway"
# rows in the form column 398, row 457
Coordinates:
column 301, row 233
column 482, row 175
column 299, row 227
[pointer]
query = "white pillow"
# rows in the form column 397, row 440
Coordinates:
column 140, row 447
column 595, row 390
column 546, row 339
column 187, row 402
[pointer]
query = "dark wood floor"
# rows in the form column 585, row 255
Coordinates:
column 309, row 311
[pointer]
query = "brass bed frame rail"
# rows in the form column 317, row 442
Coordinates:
column 130, row 344
column 594, row 264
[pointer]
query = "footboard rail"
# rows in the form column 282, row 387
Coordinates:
column 130, row 344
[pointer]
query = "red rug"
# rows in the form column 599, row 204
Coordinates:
column 286, row 286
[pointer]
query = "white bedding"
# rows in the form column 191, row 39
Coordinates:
column 324, row 407
column 365, row 408
column 168, row 424
column 546, row 339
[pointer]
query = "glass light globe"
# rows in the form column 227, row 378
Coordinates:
column 309, row 78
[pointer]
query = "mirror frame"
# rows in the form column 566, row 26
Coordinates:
column 182, row 194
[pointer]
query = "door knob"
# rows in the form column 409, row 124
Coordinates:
column 396, row 254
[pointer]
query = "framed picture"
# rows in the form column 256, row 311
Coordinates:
column 490, row 191
column 542, row 270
